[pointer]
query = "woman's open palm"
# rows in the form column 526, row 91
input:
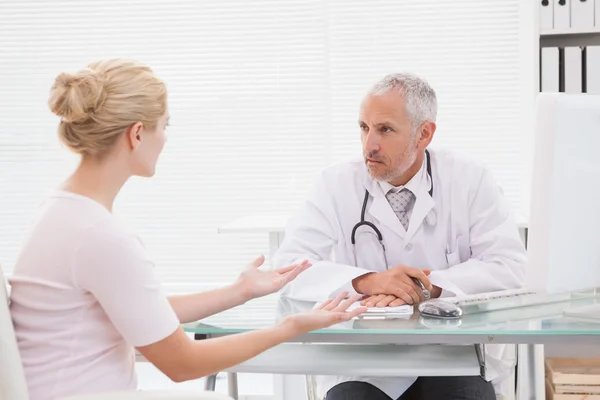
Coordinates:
column 331, row 312
column 257, row 283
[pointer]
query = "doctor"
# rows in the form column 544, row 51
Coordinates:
column 403, row 211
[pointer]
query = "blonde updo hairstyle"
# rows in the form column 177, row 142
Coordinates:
column 99, row 103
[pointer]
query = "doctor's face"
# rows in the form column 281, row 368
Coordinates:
column 390, row 144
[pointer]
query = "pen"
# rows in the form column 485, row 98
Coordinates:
column 422, row 287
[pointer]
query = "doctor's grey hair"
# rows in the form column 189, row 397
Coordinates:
column 421, row 101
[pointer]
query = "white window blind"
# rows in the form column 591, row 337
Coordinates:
column 263, row 94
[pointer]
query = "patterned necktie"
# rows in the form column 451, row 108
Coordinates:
column 402, row 203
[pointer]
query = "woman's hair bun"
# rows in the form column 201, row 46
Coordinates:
column 76, row 97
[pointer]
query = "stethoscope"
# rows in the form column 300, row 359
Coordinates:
column 430, row 219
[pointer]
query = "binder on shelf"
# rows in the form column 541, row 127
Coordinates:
column 597, row 19
column 546, row 15
column 562, row 14
column 582, row 14
column 550, row 69
column 592, row 68
column 573, row 70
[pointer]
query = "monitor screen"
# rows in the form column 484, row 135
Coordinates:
column 564, row 225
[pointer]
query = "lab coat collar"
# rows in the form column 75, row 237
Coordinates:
column 423, row 205
column 381, row 210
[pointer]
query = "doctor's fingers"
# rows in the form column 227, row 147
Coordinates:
column 420, row 275
column 386, row 301
column 398, row 302
column 401, row 291
column 379, row 300
column 372, row 300
column 414, row 291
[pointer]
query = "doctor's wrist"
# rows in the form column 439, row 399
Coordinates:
column 436, row 292
column 361, row 283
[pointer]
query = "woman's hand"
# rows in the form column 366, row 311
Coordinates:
column 332, row 312
column 254, row 282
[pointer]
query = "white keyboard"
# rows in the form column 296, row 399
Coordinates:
column 589, row 312
column 504, row 299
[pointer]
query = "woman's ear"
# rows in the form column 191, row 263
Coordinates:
column 134, row 135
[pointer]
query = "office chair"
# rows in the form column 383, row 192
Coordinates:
column 12, row 377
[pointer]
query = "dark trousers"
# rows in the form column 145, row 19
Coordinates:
column 425, row 388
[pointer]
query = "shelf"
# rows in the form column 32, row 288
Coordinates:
column 571, row 31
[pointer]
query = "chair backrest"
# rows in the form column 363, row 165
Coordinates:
column 152, row 395
column 12, row 378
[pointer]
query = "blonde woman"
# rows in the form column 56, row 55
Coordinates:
column 84, row 294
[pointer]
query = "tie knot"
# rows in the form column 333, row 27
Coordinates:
column 401, row 200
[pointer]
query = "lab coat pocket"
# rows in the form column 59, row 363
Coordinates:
column 463, row 247
column 453, row 258
column 460, row 252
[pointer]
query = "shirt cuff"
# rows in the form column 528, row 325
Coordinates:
column 449, row 289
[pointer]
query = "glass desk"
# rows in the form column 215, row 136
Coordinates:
column 326, row 351
column 529, row 325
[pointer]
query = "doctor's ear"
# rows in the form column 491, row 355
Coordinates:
column 427, row 130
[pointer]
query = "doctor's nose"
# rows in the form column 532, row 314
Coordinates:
column 371, row 142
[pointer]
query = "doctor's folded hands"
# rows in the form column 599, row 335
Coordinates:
column 403, row 219
column 393, row 287
column 84, row 291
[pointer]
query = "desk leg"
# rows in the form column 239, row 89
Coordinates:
column 210, row 383
column 232, row 383
column 290, row 387
column 531, row 379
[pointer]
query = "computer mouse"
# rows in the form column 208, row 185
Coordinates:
column 438, row 308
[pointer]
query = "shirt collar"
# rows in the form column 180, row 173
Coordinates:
column 414, row 184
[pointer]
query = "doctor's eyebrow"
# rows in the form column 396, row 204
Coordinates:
column 386, row 124
column 382, row 123
column 379, row 125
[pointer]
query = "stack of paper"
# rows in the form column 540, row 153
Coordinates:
column 405, row 309
column 381, row 312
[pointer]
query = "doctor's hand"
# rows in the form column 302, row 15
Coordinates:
column 253, row 282
column 382, row 300
column 331, row 312
column 393, row 287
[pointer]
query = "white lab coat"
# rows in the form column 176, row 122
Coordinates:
column 471, row 243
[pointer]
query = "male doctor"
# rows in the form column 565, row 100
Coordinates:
column 442, row 220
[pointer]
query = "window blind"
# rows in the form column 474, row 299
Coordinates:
column 262, row 95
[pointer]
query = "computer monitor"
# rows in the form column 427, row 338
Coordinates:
column 564, row 225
